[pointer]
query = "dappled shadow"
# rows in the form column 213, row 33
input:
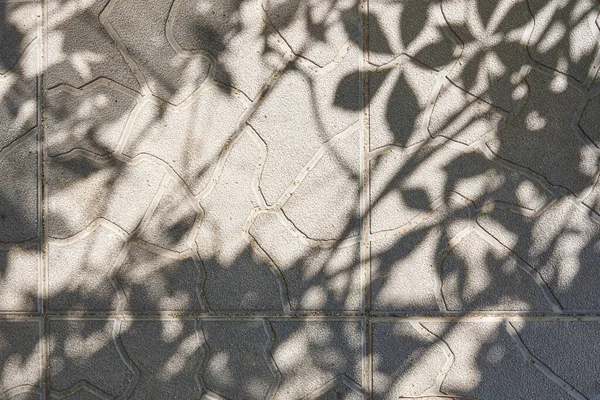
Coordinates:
column 245, row 198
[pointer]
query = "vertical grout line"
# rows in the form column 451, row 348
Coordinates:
column 365, row 196
column 42, row 204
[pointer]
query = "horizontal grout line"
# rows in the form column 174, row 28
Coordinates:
column 374, row 317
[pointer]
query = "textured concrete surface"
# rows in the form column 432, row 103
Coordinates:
column 299, row 199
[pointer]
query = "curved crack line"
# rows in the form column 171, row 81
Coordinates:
column 121, row 295
column 88, row 230
column 200, row 281
column 103, row 17
column 171, row 19
column 595, row 29
column 312, row 162
column 534, row 273
column 262, row 158
column 438, row 285
column 436, row 387
column 571, row 80
column 90, row 86
column 12, row 72
column 570, row 390
column 341, row 379
column 12, row 146
column 439, row 202
column 307, row 241
column 263, row 256
column 302, row 60
column 268, row 355
column 125, row 359
column 203, row 363
column 21, row 389
column 80, row 386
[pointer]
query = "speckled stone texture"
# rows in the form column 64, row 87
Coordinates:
column 299, row 199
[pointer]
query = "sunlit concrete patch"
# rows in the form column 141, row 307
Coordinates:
column 560, row 243
column 237, row 361
column 189, row 138
column 19, row 190
column 80, row 272
column 405, row 265
column 233, row 32
column 91, row 119
column 315, row 357
column 167, row 354
column 21, row 354
column 81, row 190
column 79, row 49
column 140, row 26
column 568, row 349
column 85, row 357
column 173, row 220
column 326, row 204
column 19, row 277
column 156, row 282
column 315, row 29
column 565, row 36
column 236, row 279
column 404, row 184
column 326, row 279
column 478, row 276
column 413, row 28
column 488, row 364
column 399, row 99
column 405, row 362
column 18, row 98
column 492, row 33
column 302, row 112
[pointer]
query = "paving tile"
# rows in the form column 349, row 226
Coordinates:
column 568, row 349
column 167, row 354
column 559, row 243
column 236, row 279
column 85, row 357
column 18, row 30
column 326, row 204
column 234, row 33
column 315, row 358
column 565, row 36
column 142, row 28
column 21, row 357
column 574, row 166
column 154, row 282
column 173, row 220
column 412, row 28
column 294, row 127
column 80, row 272
column 315, row 278
column 19, row 279
column 92, row 119
column 237, row 361
column 81, row 190
column 316, row 30
column 397, row 106
column 189, row 138
column 19, row 190
column 404, row 267
column 18, row 98
column 404, row 185
column 79, row 49
column 492, row 54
